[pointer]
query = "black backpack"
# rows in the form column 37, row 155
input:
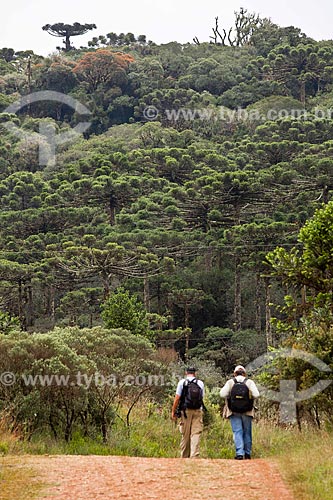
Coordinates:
column 192, row 395
column 239, row 400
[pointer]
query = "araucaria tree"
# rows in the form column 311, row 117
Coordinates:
column 66, row 31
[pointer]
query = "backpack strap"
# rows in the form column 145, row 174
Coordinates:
column 182, row 397
column 236, row 381
column 186, row 384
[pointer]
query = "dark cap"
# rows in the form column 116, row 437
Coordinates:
column 191, row 369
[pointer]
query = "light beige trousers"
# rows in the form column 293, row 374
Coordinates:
column 191, row 429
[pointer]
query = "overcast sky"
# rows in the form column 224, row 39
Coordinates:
column 161, row 21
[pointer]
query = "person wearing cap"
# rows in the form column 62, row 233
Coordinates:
column 191, row 420
column 241, row 423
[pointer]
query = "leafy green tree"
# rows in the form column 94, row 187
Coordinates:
column 19, row 276
column 78, row 303
column 146, row 75
column 57, row 74
column 115, row 40
column 121, row 310
column 176, row 204
column 22, row 190
column 7, row 54
column 5, row 101
column 246, row 93
column 73, row 379
column 73, row 304
column 187, row 299
column 268, row 35
column 272, row 107
column 105, row 264
column 214, row 76
column 303, row 68
column 8, row 323
column 306, row 318
column 309, row 268
column 227, row 348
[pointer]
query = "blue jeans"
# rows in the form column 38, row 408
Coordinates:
column 242, row 430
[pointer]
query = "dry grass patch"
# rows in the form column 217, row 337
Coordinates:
column 308, row 467
column 17, row 482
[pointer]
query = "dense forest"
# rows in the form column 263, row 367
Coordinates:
column 199, row 195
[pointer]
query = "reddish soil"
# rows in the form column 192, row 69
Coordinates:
column 92, row 477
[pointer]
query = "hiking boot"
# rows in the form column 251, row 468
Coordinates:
column 239, row 457
column 247, row 456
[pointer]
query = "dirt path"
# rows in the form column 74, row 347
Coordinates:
column 98, row 477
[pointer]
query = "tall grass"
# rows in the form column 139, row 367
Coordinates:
column 305, row 459
column 16, row 482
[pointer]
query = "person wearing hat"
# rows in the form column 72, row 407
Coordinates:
column 191, row 418
column 241, row 421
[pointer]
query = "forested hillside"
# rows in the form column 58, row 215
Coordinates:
column 189, row 221
column 199, row 160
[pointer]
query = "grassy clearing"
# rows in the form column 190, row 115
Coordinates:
column 16, row 481
column 305, row 458
column 307, row 465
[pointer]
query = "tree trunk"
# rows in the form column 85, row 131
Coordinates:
column 49, row 297
column 21, row 310
column 187, row 342
column 106, row 286
column 146, row 293
column 29, row 306
column 237, row 297
column 104, row 428
column 302, row 92
column 269, row 337
column 52, row 426
column 187, row 315
column 29, row 75
column 257, row 324
column 187, row 329
column 85, row 423
column 52, row 305
column 208, row 259
column 112, row 217
column 303, row 293
column 112, row 209
column 67, row 43
column 219, row 260
column 69, row 424
column 159, row 308
column 19, row 302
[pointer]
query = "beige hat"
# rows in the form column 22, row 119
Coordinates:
column 239, row 368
